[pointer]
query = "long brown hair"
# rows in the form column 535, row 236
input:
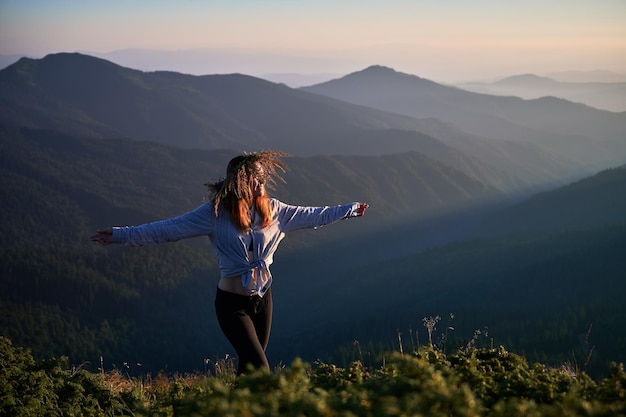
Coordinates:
column 236, row 192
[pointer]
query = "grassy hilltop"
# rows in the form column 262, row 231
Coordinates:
column 471, row 382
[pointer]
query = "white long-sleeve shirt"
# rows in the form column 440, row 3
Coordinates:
column 231, row 245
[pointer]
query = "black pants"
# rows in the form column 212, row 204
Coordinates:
column 246, row 322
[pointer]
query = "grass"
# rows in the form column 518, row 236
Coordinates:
column 472, row 381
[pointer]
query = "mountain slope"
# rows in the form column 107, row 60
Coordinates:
column 85, row 96
column 595, row 201
column 555, row 267
column 539, row 294
column 547, row 121
column 62, row 295
column 527, row 119
column 86, row 169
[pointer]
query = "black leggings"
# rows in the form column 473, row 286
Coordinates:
column 246, row 323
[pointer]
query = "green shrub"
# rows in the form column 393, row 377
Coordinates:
column 47, row 388
column 470, row 383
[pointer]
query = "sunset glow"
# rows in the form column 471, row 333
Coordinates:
column 448, row 38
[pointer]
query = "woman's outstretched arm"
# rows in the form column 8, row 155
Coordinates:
column 195, row 223
column 299, row 217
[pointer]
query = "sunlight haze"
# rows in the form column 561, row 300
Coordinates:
column 443, row 40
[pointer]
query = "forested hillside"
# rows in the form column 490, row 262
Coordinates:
column 540, row 295
column 543, row 273
column 594, row 201
column 63, row 295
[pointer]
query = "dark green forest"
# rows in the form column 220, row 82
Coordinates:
column 553, row 298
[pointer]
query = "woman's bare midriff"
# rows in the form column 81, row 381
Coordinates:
column 233, row 284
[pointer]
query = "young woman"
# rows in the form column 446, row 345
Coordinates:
column 245, row 227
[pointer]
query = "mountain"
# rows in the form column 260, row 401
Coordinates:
column 63, row 295
column 541, row 294
column 6, row 60
column 86, row 96
column 602, row 95
column 82, row 95
column 598, row 137
column 541, row 275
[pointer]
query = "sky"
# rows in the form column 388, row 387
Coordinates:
column 446, row 40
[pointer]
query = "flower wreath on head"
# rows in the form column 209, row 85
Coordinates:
column 237, row 180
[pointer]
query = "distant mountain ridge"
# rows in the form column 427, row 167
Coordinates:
column 86, row 96
column 549, row 122
column 602, row 95
column 384, row 88
column 592, row 76
column 90, row 96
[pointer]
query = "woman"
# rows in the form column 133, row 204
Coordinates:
column 245, row 227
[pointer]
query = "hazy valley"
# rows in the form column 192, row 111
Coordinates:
column 607, row 95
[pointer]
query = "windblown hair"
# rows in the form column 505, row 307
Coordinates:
column 235, row 192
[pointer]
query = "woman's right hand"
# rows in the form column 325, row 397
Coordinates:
column 103, row 237
column 361, row 210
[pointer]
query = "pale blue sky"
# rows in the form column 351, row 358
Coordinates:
column 452, row 38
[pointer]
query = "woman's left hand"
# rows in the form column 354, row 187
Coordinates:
column 103, row 237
